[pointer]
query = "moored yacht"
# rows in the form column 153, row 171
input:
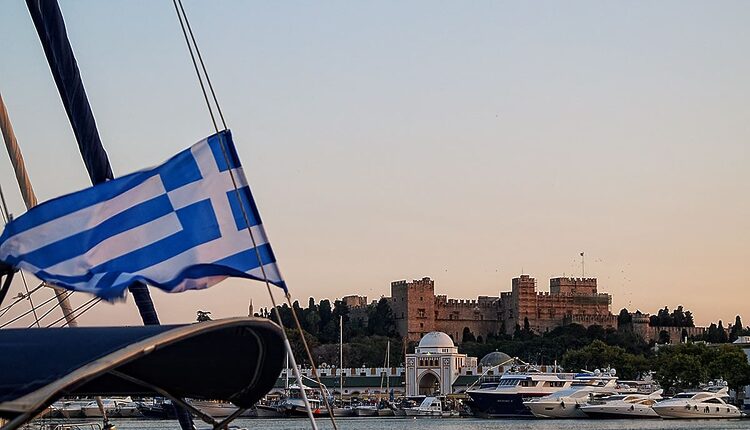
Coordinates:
column 567, row 403
column 218, row 409
column 701, row 404
column 120, row 408
column 631, row 405
column 504, row 397
column 366, row 411
column 430, row 407
column 294, row 405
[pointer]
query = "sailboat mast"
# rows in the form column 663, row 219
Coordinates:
column 341, row 358
column 29, row 198
column 50, row 27
column 388, row 367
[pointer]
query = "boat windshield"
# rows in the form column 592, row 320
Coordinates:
column 509, row 382
column 614, row 398
column 568, row 392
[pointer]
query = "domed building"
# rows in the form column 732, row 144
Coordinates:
column 496, row 358
column 435, row 365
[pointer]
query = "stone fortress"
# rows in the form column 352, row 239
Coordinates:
column 418, row 310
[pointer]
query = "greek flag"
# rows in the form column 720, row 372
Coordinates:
column 180, row 226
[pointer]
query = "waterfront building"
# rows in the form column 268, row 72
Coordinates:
column 435, row 365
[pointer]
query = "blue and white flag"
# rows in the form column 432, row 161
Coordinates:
column 179, row 226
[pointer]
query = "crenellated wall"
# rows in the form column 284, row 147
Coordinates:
column 418, row 310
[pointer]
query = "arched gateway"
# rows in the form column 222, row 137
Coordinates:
column 434, row 366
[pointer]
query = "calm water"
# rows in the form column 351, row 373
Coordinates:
column 453, row 424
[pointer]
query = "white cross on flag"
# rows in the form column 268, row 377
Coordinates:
column 179, row 226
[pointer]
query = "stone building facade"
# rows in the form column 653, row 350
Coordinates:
column 417, row 310
column 569, row 300
column 640, row 322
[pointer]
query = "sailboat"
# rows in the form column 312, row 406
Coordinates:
column 385, row 409
column 123, row 361
column 342, row 410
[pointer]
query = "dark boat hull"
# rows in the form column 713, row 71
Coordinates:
column 492, row 404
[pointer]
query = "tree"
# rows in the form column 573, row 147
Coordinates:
column 689, row 319
column 595, row 332
column 468, row 336
column 678, row 370
column 663, row 337
column 730, row 364
column 736, row 329
column 624, row 320
column 380, row 320
column 600, row 355
column 678, row 317
column 722, row 334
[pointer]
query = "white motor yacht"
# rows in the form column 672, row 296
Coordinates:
column 366, row 411
column 294, row 404
column 119, row 408
column 71, row 408
column 567, row 403
column 623, row 406
column 218, row 409
column 430, row 407
column 701, row 404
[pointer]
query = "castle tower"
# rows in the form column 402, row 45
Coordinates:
column 413, row 306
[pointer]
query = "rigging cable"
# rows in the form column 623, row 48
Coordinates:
column 93, row 301
column 6, row 219
column 203, row 66
column 27, row 312
column 19, row 299
column 247, row 223
column 195, row 65
column 44, row 315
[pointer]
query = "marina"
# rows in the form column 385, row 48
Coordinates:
column 590, row 352
column 456, row 424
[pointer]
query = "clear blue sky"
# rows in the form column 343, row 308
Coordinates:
column 466, row 141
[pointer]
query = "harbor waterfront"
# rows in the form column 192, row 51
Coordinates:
column 453, row 424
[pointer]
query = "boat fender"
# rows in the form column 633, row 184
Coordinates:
column 562, row 404
column 632, row 408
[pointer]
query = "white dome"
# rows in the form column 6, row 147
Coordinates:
column 436, row 339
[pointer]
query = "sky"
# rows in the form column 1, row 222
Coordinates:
column 465, row 141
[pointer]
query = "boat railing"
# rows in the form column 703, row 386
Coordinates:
column 71, row 426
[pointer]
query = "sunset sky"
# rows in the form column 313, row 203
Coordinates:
column 465, row 141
